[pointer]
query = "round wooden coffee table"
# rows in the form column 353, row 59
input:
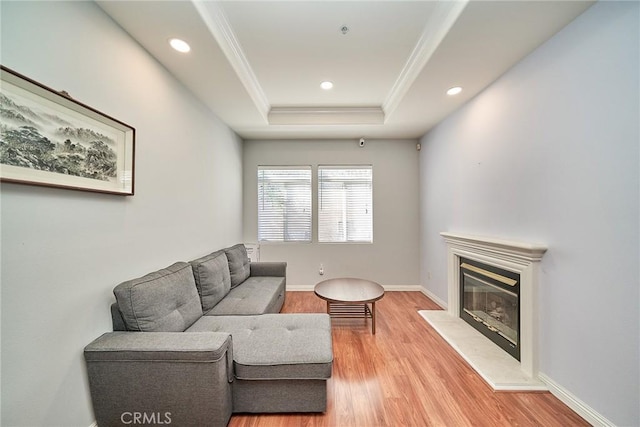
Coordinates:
column 348, row 297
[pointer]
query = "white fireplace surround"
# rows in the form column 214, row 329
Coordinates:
column 521, row 258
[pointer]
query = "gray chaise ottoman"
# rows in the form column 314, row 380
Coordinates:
column 281, row 361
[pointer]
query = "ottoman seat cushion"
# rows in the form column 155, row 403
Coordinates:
column 276, row 346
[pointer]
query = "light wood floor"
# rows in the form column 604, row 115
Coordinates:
column 407, row 375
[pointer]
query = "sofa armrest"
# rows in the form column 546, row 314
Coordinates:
column 169, row 346
column 274, row 269
column 184, row 378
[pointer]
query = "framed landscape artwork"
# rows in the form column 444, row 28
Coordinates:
column 49, row 139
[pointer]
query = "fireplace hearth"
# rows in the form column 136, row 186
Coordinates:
column 489, row 301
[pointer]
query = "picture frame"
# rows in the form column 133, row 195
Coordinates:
column 49, row 139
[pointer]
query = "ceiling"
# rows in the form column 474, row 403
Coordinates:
column 258, row 65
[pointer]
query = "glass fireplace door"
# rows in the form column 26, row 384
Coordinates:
column 491, row 306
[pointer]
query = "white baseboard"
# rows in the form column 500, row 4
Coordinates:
column 406, row 288
column 304, row 288
column 392, row 288
column 434, row 298
column 578, row 406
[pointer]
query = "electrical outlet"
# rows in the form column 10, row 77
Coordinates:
column 321, row 270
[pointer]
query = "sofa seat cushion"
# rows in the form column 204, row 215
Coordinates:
column 276, row 346
column 212, row 278
column 239, row 264
column 257, row 295
column 163, row 301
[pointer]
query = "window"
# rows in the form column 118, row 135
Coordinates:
column 284, row 204
column 345, row 204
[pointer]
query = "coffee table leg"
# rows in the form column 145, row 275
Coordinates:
column 328, row 308
column 373, row 317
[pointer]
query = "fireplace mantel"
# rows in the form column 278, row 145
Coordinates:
column 519, row 257
column 525, row 252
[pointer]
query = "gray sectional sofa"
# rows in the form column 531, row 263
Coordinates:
column 195, row 342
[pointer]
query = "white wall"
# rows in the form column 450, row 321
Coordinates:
column 63, row 251
column 550, row 153
column 392, row 258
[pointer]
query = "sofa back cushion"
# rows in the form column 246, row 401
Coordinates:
column 238, row 264
column 212, row 277
column 163, row 301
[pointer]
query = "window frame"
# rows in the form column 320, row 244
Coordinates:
column 260, row 192
column 319, row 203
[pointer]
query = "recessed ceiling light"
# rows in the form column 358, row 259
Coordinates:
column 454, row 90
column 180, row 45
column 326, row 85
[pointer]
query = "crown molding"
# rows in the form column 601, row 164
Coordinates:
column 326, row 116
column 436, row 28
column 440, row 22
column 218, row 24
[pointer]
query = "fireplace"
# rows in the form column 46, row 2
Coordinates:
column 490, row 302
column 510, row 257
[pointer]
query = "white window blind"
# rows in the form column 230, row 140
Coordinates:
column 284, row 204
column 345, row 204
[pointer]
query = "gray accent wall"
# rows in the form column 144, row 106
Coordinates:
column 392, row 258
column 63, row 251
column 550, row 153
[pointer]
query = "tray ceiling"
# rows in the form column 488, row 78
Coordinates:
column 258, row 65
